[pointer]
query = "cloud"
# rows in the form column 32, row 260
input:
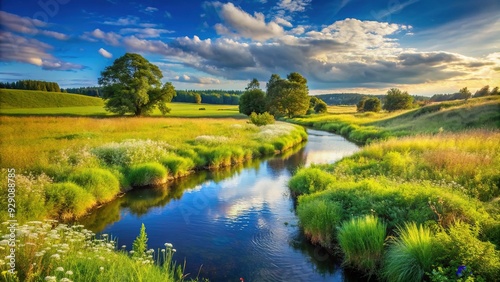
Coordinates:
column 151, row 9
column 167, row 15
column 124, row 21
column 240, row 23
column 282, row 22
column 25, row 25
column 145, row 32
column 395, row 8
column 197, row 80
column 294, row 5
column 14, row 48
column 110, row 38
column 105, row 53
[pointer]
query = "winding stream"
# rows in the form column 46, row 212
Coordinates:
column 235, row 222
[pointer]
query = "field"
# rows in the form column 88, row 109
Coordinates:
column 434, row 183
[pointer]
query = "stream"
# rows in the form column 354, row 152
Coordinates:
column 232, row 223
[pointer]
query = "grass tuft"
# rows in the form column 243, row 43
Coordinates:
column 101, row 183
column 68, row 200
column 147, row 174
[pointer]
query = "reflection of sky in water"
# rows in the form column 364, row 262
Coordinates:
column 242, row 226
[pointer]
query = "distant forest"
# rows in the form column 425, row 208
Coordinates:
column 32, row 85
column 228, row 97
column 354, row 98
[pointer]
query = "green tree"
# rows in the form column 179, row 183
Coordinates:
column 313, row 101
column 360, row 107
column 140, row 244
column 495, row 91
column 287, row 96
column 372, row 105
column 253, row 100
column 397, row 100
column 465, row 93
column 197, row 98
column 132, row 85
column 485, row 91
column 320, row 107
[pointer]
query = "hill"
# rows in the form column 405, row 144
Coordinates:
column 13, row 98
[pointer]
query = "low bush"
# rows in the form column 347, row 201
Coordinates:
column 362, row 242
column 147, row 174
column 319, row 218
column 410, row 255
column 101, row 183
column 68, row 200
column 178, row 166
column 261, row 119
column 310, row 180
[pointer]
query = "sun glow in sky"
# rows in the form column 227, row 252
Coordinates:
column 422, row 46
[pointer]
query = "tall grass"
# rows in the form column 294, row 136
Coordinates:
column 50, row 252
column 101, row 183
column 319, row 219
column 147, row 174
column 362, row 242
column 410, row 255
column 311, row 180
column 68, row 200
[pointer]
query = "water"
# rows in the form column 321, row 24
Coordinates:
column 232, row 223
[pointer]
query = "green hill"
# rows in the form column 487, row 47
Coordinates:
column 13, row 98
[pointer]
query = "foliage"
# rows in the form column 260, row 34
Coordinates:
column 177, row 165
column 254, row 84
column 261, row 119
column 362, row 242
column 372, row 105
column 252, row 101
column 310, row 180
column 485, row 91
column 320, row 107
column 397, row 100
column 101, row 183
column 147, row 174
column 218, row 97
column 410, row 255
column 68, row 199
column 140, row 244
column 29, row 84
column 47, row 251
column 360, row 107
column 287, row 97
column 132, row 85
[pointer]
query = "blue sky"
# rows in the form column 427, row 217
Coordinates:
column 422, row 46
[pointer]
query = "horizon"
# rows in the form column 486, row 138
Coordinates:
column 343, row 46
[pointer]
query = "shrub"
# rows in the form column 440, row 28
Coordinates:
column 362, row 242
column 68, row 199
column 266, row 149
column 310, row 180
column 178, row 166
column 147, row 174
column 101, row 183
column 319, row 218
column 410, row 255
column 201, row 109
column 261, row 119
column 130, row 152
column 321, row 107
column 459, row 245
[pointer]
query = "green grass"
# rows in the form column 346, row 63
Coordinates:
column 410, row 255
column 311, row 180
column 101, row 183
column 47, row 252
column 14, row 98
column 68, row 199
column 147, row 174
column 362, row 242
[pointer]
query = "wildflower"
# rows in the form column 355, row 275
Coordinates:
column 69, row 272
column 65, row 280
column 50, row 278
column 131, row 252
column 105, row 235
column 460, row 270
column 60, row 269
column 101, row 268
column 174, row 250
column 162, row 250
column 56, row 256
column 168, row 245
column 124, row 246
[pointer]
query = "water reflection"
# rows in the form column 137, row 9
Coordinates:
column 236, row 222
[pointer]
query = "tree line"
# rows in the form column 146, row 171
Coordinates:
column 227, row 97
column 464, row 94
column 32, row 85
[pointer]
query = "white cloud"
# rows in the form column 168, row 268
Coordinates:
column 105, row 53
column 282, row 22
column 145, row 32
column 294, row 5
column 110, row 38
column 198, row 80
column 124, row 21
column 151, row 9
column 15, row 48
column 27, row 25
column 240, row 23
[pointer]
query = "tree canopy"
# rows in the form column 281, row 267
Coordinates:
column 253, row 100
column 287, row 96
column 397, row 100
column 132, row 85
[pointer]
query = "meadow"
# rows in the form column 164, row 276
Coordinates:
column 420, row 202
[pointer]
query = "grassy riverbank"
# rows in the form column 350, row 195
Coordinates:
column 432, row 196
column 67, row 165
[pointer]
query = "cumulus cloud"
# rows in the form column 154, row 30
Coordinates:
column 14, row 48
column 105, row 53
column 240, row 23
column 197, row 80
column 25, row 25
column 110, row 38
column 294, row 5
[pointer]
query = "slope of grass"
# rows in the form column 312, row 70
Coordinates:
column 14, row 98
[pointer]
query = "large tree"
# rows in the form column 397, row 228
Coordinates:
column 287, row 96
column 132, row 85
column 397, row 100
column 253, row 100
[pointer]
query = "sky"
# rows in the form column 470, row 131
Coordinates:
column 421, row 46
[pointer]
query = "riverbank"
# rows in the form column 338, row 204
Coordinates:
column 65, row 166
column 415, row 207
